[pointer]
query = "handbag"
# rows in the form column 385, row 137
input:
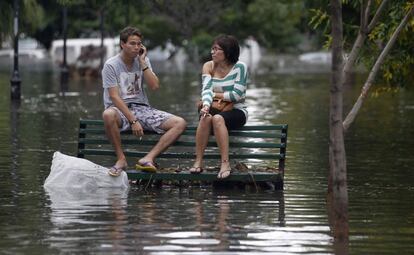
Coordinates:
column 217, row 106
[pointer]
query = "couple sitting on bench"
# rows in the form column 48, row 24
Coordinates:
column 127, row 107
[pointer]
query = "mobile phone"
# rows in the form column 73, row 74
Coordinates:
column 141, row 51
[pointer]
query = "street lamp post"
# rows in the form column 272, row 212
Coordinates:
column 101, row 26
column 15, row 80
column 64, row 72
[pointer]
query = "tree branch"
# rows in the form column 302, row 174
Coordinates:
column 363, row 32
column 376, row 16
column 366, row 14
column 374, row 71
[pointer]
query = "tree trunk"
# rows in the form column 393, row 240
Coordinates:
column 337, row 183
column 374, row 71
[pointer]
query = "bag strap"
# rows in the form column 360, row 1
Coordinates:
column 212, row 69
column 212, row 75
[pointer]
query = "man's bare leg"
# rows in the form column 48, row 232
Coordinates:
column 112, row 122
column 174, row 127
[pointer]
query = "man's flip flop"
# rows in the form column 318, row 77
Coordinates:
column 146, row 167
column 115, row 171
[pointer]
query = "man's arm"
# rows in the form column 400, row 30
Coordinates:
column 150, row 78
column 120, row 104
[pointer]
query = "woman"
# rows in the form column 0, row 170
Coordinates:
column 224, row 78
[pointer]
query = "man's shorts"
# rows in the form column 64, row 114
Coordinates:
column 150, row 118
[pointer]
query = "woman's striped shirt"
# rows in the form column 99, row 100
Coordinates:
column 233, row 85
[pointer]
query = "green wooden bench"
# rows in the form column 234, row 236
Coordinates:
column 250, row 145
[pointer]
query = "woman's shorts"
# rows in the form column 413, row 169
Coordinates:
column 150, row 118
column 234, row 119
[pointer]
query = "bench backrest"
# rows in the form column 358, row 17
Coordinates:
column 265, row 142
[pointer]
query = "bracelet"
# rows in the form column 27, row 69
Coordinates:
column 133, row 122
column 143, row 70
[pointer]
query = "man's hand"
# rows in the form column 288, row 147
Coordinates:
column 142, row 53
column 137, row 130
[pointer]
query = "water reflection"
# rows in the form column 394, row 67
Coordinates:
column 203, row 220
column 222, row 225
column 15, row 145
column 258, row 100
column 76, row 212
column 77, row 203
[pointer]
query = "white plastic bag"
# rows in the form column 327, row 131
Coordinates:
column 77, row 173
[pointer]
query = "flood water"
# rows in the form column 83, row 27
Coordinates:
column 203, row 220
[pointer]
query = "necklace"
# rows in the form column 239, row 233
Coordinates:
column 220, row 71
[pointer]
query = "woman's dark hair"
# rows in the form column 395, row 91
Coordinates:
column 230, row 47
column 127, row 32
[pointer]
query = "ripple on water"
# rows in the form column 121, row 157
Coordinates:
column 203, row 220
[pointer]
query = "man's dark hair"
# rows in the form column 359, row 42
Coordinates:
column 127, row 32
column 230, row 47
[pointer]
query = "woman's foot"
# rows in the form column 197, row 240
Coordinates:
column 225, row 169
column 196, row 168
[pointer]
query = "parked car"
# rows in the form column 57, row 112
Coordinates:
column 78, row 46
column 29, row 48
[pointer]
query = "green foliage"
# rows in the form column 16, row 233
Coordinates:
column 399, row 64
column 276, row 22
column 201, row 43
column 31, row 17
column 319, row 18
column 151, row 26
column 70, row 2
column 6, row 17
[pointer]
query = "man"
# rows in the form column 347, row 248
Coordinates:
column 127, row 106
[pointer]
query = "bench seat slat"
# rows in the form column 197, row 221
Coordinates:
column 248, row 127
column 206, row 176
column 186, row 155
column 182, row 143
column 101, row 131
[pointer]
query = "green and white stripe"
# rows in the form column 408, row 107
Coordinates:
column 233, row 85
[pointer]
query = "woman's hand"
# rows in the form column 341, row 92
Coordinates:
column 218, row 95
column 204, row 111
